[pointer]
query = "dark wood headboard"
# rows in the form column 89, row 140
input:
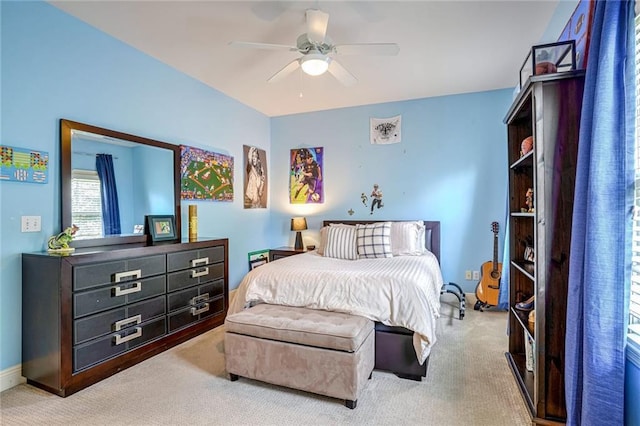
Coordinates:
column 431, row 232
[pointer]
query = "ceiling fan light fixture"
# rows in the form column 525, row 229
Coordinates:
column 315, row 63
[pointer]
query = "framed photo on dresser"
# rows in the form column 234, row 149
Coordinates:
column 160, row 228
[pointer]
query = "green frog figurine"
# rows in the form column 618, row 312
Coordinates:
column 60, row 242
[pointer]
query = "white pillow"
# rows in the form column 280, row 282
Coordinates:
column 407, row 238
column 323, row 235
column 341, row 243
column 374, row 240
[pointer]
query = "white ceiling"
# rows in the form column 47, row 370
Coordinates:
column 446, row 47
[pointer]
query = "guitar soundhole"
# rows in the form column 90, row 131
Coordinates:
column 495, row 275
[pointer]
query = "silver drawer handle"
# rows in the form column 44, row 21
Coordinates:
column 195, row 311
column 137, row 319
column 118, row 291
column 120, row 339
column 199, row 262
column 196, row 274
column 199, row 299
column 128, row 274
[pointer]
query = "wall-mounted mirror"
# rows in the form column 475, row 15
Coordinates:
column 138, row 175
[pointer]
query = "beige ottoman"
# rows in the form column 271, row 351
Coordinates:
column 328, row 353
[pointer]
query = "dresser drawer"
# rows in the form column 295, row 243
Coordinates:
column 94, row 275
column 107, row 322
column 101, row 299
column 187, row 316
column 194, row 258
column 184, row 298
column 191, row 277
column 106, row 347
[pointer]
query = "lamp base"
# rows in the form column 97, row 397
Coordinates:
column 298, row 245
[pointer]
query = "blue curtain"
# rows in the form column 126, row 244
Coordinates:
column 109, row 192
column 599, row 272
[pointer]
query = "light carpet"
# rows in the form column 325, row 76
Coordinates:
column 468, row 383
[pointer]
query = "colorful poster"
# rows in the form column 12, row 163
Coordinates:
column 23, row 165
column 255, row 178
column 205, row 175
column 306, row 178
column 578, row 28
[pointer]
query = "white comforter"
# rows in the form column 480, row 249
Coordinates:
column 398, row 291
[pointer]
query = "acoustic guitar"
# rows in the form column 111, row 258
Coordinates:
column 488, row 289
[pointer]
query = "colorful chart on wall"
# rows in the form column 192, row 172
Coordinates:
column 205, row 175
column 306, row 178
column 23, row 165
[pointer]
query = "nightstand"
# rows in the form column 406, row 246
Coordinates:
column 280, row 252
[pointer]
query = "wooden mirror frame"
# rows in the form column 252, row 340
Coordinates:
column 66, row 129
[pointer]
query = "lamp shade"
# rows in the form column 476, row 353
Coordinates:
column 298, row 224
column 314, row 63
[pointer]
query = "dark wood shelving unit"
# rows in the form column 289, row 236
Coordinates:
column 548, row 108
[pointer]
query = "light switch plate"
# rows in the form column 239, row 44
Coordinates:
column 31, row 224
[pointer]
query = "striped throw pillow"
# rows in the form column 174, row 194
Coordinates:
column 341, row 243
column 374, row 240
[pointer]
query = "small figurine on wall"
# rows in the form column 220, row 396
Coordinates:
column 60, row 243
column 376, row 196
column 364, row 199
column 526, row 146
column 529, row 200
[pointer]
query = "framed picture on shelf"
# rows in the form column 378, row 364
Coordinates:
column 258, row 258
column 161, row 228
column 258, row 262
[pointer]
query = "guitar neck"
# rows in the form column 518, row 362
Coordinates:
column 495, row 252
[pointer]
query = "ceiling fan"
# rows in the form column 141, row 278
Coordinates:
column 318, row 50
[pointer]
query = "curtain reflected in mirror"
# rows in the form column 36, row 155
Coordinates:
column 108, row 194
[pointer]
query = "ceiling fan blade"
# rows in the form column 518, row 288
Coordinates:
column 266, row 46
column 288, row 69
column 317, row 22
column 374, row 49
column 341, row 74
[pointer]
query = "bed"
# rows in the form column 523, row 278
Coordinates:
column 400, row 293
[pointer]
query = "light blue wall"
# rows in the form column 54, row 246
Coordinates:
column 450, row 166
column 55, row 66
column 150, row 183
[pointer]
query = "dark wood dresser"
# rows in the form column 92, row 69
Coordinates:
column 89, row 315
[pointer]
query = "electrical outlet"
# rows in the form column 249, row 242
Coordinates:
column 467, row 275
column 31, row 224
column 476, row 275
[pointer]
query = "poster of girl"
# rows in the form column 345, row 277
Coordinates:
column 255, row 178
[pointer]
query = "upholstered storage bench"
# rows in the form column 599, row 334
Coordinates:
column 328, row 353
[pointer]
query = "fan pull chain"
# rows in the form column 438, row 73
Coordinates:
column 301, row 95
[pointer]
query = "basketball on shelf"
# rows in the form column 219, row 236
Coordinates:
column 526, row 146
column 545, row 68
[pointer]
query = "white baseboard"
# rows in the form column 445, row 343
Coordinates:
column 11, row 377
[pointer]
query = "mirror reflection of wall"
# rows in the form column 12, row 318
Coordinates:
column 144, row 187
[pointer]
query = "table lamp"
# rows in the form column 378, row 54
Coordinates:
column 298, row 224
